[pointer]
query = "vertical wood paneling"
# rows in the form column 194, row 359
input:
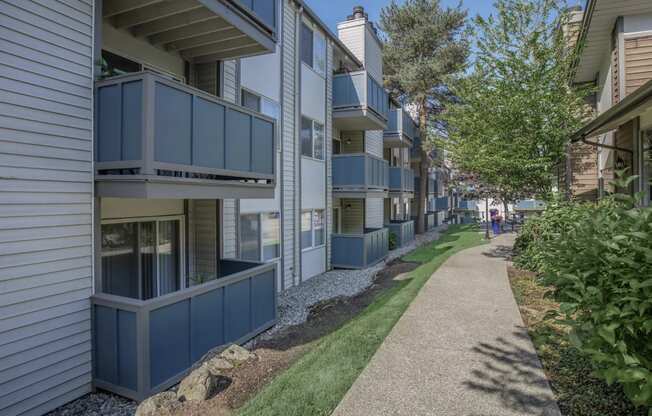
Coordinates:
column 45, row 204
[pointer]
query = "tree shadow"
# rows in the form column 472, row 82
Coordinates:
column 500, row 251
column 514, row 375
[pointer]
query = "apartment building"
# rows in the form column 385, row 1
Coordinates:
column 615, row 38
column 167, row 169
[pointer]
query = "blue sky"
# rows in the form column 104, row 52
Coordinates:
column 334, row 11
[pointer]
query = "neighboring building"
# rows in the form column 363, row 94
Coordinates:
column 169, row 167
column 436, row 200
column 615, row 37
column 529, row 207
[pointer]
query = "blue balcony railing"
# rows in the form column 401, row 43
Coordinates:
column 401, row 180
column 359, row 251
column 145, row 346
column 358, row 90
column 263, row 10
column 360, row 171
column 400, row 125
column 149, row 126
column 403, row 230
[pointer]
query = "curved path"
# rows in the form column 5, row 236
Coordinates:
column 461, row 348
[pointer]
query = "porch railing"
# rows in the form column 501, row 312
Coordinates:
column 149, row 125
column 359, row 251
column 401, row 179
column 360, row 171
column 142, row 347
column 403, row 230
column 359, row 90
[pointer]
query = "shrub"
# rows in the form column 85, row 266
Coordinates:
column 392, row 240
column 599, row 261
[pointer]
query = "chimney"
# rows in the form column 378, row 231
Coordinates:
column 358, row 13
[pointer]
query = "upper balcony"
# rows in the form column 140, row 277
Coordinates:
column 359, row 175
column 158, row 138
column 431, row 186
column 359, row 102
column 199, row 30
column 401, row 129
column 401, row 180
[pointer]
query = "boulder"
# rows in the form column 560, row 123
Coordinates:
column 217, row 364
column 197, row 386
column 236, row 354
column 152, row 406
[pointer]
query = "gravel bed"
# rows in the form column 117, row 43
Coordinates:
column 97, row 404
column 294, row 303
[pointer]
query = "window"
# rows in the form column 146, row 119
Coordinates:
column 260, row 236
column 306, row 229
column 313, row 49
column 142, row 259
column 114, row 65
column 319, row 54
column 312, row 138
column 306, row 45
column 271, row 236
column 313, row 229
column 250, row 237
column 250, row 100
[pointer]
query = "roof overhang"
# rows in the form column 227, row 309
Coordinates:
column 198, row 30
column 595, row 34
column 634, row 105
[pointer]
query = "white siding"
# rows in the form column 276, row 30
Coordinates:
column 374, row 142
column 229, row 206
column 313, row 263
column 374, row 212
column 289, row 146
column 45, row 204
column 329, row 152
column 313, row 183
column 313, row 98
column 373, row 56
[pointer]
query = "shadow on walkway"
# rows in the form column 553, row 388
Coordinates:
column 513, row 374
column 500, row 251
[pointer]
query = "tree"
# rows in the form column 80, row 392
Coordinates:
column 517, row 108
column 425, row 44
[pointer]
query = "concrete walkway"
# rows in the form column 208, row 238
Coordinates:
column 460, row 349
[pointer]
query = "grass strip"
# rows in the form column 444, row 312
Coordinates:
column 316, row 383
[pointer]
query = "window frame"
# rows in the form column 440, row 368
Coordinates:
column 261, row 247
column 314, row 246
column 183, row 275
column 314, row 122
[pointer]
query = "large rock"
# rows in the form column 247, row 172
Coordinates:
column 198, row 385
column 217, row 364
column 236, row 354
column 153, row 406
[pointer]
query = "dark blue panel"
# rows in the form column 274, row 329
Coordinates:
column 348, row 251
column 262, row 152
column 127, row 350
column 348, row 170
column 237, row 310
column 132, row 118
column 208, row 134
column 263, row 298
column 105, row 334
column 169, row 341
column 172, row 124
column 238, row 141
column 109, row 123
column 265, row 10
column 207, row 312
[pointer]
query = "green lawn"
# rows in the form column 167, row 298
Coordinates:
column 316, row 383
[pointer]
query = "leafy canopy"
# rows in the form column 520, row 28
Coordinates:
column 516, row 108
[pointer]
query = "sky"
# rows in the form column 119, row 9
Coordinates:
column 334, row 11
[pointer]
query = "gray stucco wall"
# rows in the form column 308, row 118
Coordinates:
column 46, row 194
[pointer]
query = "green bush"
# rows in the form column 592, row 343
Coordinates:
column 598, row 258
column 393, row 241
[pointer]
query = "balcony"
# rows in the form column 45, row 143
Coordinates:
column 199, row 30
column 359, row 102
column 401, row 181
column 441, row 203
column 466, row 205
column 430, row 220
column 359, row 251
column 431, row 186
column 143, row 347
column 401, row 129
column 359, row 175
column 403, row 230
column 158, row 138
